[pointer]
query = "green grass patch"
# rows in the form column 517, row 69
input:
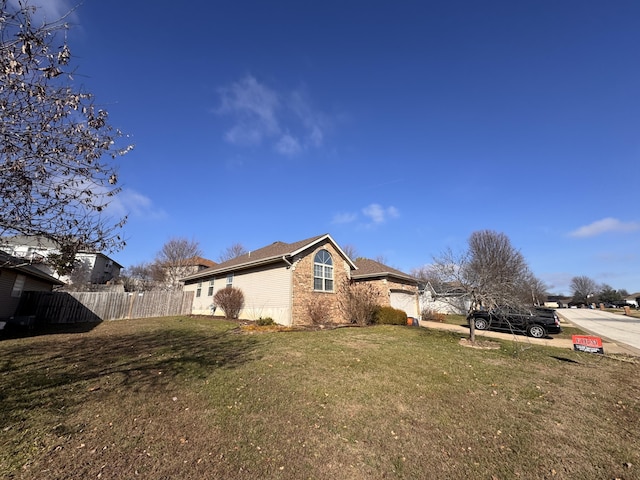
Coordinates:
column 199, row 398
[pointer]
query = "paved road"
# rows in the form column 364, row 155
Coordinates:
column 616, row 327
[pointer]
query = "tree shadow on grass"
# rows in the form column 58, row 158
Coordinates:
column 59, row 373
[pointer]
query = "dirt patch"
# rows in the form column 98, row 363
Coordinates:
column 480, row 344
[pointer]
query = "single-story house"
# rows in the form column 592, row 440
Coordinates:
column 447, row 299
column 17, row 276
column 633, row 300
column 281, row 280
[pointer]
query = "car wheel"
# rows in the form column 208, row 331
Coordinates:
column 536, row 331
column 481, row 324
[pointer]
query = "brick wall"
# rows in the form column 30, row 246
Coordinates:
column 303, row 293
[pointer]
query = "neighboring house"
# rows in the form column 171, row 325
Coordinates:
column 282, row 280
column 633, row 299
column 557, row 301
column 16, row 277
column 448, row 299
column 173, row 273
column 93, row 267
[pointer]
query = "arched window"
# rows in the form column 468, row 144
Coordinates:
column 323, row 272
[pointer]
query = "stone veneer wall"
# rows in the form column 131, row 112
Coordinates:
column 302, row 287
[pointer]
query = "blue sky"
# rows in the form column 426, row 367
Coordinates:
column 397, row 127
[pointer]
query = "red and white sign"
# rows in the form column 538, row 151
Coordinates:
column 587, row 343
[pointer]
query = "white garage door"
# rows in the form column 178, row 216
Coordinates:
column 405, row 301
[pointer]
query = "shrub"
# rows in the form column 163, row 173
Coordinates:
column 358, row 302
column 230, row 300
column 390, row 316
column 318, row 310
column 431, row 315
column 264, row 322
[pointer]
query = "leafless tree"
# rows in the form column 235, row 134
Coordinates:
column 350, row 251
column 231, row 252
column 490, row 272
column 81, row 276
column 358, row 302
column 583, row 289
column 381, row 259
column 175, row 260
column 537, row 289
column 141, row 277
column 56, row 145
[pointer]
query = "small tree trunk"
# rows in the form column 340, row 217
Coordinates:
column 472, row 331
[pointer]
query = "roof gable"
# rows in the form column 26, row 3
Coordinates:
column 274, row 252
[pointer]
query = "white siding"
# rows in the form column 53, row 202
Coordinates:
column 447, row 305
column 267, row 293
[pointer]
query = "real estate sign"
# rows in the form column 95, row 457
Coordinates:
column 587, row 343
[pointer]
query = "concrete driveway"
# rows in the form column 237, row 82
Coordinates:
column 616, row 327
column 610, row 345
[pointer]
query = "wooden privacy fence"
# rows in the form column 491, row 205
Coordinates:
column 78, row 307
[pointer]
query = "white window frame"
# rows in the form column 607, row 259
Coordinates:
column 199, row 290
column 230, row 280
column 210, row 289
column 323, row 272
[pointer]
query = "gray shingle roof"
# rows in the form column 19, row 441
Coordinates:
column 368, row 268
column 270, row 253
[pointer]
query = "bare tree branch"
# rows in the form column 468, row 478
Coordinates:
column 490, row 273
column 56, row 176
column 176, row 259
column 231, row 252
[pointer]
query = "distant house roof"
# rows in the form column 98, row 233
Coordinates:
column 19, row 265
column 367, row 268
column 202, row 262
column 272, row 253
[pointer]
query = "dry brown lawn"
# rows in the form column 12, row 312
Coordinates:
column 198, row 398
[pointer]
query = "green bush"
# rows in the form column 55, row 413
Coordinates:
column 264, row 322
column 390, row 316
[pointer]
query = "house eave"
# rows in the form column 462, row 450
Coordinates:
column 367, row 276
column 233, row 268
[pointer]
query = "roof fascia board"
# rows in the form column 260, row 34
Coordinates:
column 384, row 274
column 242, row 266
column 322, row 239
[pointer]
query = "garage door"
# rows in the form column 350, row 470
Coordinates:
column 405, row 301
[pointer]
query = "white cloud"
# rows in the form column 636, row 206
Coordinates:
column 604, row 226
column 379, row 214
column 253, row 107
column 134, row 204
column 375, row 214
column 288, row 145
column 50, row 10
column 344, row 218
column 262, row 115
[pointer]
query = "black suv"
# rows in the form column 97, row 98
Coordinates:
column 535, row 322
